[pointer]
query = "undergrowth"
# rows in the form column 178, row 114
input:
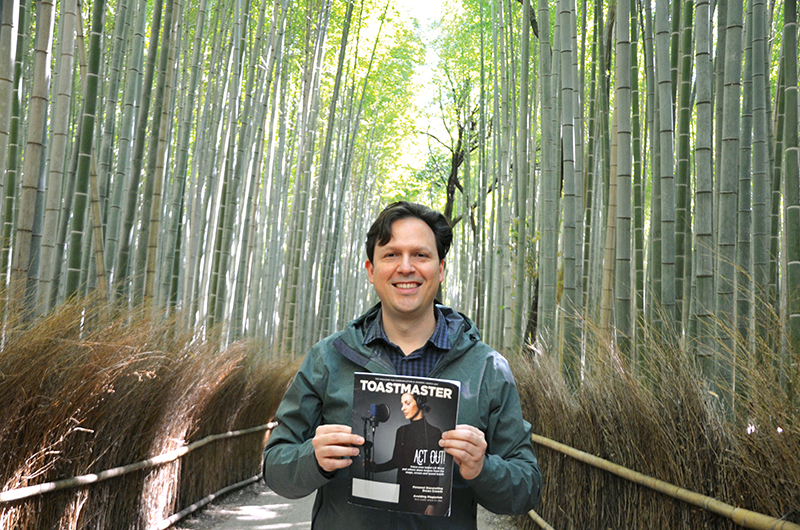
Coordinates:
column 661, row 419
column 84, row 390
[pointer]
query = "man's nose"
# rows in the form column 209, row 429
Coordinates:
column 405, row 265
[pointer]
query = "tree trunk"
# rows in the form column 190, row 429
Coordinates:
column 24, row 269
column 728, row 205
column 622, row 278
column 85, row 153
column 791, row 179
column 704, row 198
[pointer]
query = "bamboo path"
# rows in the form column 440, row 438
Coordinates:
column 258, row 507
column 265, row 505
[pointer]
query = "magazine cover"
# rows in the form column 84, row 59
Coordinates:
column 401, row 466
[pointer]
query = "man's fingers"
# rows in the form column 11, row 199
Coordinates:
column 467, row 445
column 335, row 445
column 335, row 450
column 333, row 463
column 337, row 439
column 333, row 428
column 465, row 437
column 462, row 451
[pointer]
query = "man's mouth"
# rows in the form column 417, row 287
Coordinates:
column 406, row 285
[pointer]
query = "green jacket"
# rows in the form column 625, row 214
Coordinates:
column 322, row 393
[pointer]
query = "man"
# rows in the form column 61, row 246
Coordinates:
column 407, row 333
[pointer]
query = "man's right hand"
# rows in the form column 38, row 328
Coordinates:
column 334, row 446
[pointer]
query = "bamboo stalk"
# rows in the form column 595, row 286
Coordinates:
column 740, row 516
column 84, row 480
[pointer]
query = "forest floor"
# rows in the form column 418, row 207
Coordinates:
column 258, row 507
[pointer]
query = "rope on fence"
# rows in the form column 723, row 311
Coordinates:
column 83, row 480
column 740, row 516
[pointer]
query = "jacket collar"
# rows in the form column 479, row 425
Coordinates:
column 374, row 330
column 462, row 332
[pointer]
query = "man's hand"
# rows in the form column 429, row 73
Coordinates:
column 468, row 447
column 333, row 446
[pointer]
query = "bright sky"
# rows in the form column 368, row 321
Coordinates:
column 427, row 12
column 423, row 10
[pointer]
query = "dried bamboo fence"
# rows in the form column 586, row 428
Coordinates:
column 742, row 517
column 78, row 397
column 19, row 494
column 93, row 388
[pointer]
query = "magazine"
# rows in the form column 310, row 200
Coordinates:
column 401, row 466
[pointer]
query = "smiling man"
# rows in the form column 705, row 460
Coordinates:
column 406, row 272
column 407, row 333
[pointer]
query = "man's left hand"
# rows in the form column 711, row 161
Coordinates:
column 468, row 447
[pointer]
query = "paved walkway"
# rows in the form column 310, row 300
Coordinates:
column 259, row 508
column 255, row 507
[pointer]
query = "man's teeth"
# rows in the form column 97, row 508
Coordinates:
column 406, row 285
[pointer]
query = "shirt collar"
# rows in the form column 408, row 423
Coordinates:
column 440, row 337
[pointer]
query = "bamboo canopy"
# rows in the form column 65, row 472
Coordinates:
column 226, row 157
column 616, row 174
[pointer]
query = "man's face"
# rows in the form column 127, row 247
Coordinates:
column 407, row 271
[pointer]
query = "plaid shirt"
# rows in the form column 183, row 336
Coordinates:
column 421, row 361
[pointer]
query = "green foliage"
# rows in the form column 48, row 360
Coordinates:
column 425, row 185
column 388, row 103
column 458, row 76
column 390, row 95
column 460, row 41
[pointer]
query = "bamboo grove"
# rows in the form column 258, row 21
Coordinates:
column 630, row 167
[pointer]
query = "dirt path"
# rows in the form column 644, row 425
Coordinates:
column 257, row 507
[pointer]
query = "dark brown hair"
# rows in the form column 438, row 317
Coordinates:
column 381, row 230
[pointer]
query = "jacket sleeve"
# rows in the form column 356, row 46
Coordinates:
column 290, row 467
column 510, row 481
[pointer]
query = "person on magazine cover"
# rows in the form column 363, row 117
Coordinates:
column 407, row 333
column 409, row 439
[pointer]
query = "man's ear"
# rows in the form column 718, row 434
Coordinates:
column 370, row 269
column 441, row 271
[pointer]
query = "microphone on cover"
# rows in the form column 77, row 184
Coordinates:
column 379, row 413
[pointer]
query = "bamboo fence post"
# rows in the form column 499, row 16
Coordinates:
column 740, row 516
column 91, row 478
